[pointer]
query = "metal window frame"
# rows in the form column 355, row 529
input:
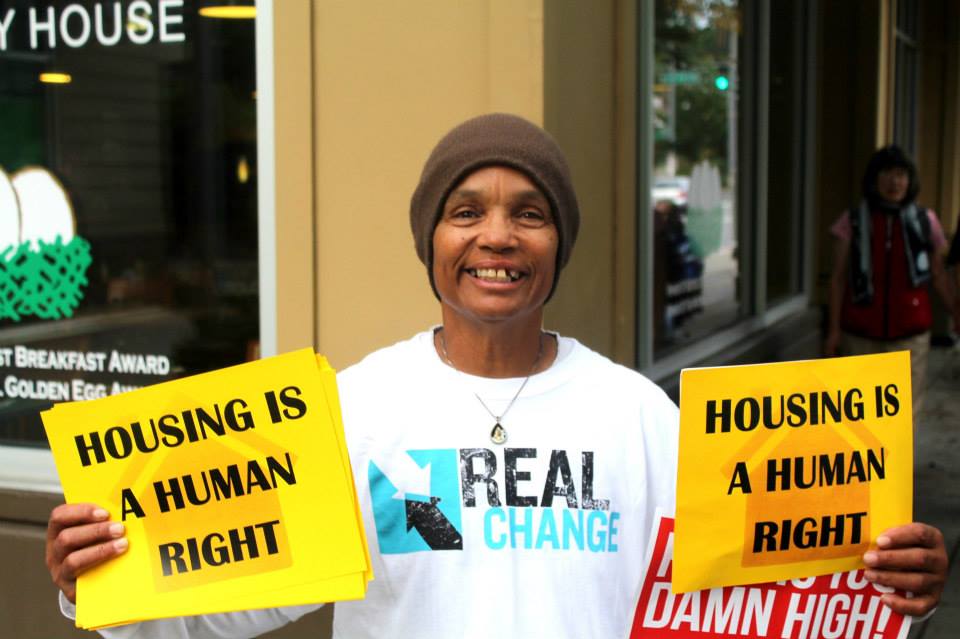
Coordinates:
column 266, row 179
column 644, row 146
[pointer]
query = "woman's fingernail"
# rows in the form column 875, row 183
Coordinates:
column 100, row 513
column 883, row 542
column 116, row 530
column 121, row 544
column 869, row 575
column 870, row 558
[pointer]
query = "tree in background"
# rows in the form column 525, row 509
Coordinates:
column 693, row 51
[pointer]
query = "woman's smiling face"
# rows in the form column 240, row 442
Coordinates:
column 495, row 246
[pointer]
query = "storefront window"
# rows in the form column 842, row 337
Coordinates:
column 128, row 200
column 785, row 186
column 696, row 261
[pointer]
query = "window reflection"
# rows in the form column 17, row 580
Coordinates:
column 695, row 177
column 785, row 140
column 678, row 272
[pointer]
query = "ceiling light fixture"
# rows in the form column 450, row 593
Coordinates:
column 243, row 170
column 229, row 12
column 50, row 77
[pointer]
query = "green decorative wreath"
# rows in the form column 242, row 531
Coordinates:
column 46, row 283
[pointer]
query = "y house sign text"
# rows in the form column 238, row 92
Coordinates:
column 77, row 24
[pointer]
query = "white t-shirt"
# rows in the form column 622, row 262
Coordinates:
column 542, row 536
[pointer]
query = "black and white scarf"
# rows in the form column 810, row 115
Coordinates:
column 916, row 243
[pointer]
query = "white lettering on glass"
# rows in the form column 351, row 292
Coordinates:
column 4, row 26
column 81, row 38
column 167, row 19
column 49, row 26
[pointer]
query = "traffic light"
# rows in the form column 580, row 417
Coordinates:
column 722, row 79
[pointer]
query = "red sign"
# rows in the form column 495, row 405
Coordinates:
column 843, row 605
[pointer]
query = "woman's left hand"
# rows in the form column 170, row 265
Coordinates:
column 911, row 558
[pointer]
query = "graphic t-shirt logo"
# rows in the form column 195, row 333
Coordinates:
column 409, row 521
column 504, row 499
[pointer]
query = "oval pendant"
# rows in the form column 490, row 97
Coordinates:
column 499, row 434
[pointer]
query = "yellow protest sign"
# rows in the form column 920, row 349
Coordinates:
column 234, row 486
column 329, row 379
column 790, row 470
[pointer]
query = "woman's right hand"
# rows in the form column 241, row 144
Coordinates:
column 79, row 537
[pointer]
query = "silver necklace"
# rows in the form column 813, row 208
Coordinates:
column 498, row 434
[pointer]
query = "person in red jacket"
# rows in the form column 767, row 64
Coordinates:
column 887, row 250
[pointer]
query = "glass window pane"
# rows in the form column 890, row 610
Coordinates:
column 785, row 156
column 696, row 272
column 128, row 201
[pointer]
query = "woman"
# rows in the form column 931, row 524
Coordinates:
column 508, row 476
column 886, row 251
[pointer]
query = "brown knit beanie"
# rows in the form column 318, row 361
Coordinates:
column 494, row 139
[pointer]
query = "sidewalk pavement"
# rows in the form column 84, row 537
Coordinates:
column 937, row 480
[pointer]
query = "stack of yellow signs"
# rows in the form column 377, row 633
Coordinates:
column 234, row 486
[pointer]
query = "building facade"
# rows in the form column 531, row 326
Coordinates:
column 224, row 189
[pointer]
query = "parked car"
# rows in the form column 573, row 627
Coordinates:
column 672, row 189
